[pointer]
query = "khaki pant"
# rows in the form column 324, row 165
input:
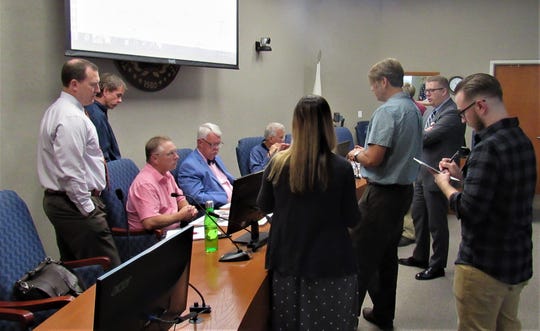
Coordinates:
column 483, row 302
column 408, row 226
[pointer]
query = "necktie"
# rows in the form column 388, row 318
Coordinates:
column 430, row 119
column 210, row 162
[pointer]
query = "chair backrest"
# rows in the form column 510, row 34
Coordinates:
column 121, row 174
column 344, row 134
column 361, row 131
column 21, row 249
column 288, row 138
column 243, row 150
column 182, row 153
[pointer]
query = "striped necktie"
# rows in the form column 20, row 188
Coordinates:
column 431, row 119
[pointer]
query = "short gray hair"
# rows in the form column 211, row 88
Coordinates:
column 206, row 128
column 272, row 129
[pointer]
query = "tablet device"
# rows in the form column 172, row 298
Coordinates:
column 422, row 163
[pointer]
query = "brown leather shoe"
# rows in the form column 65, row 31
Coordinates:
column 370, row 317
column 430, row 273
column 412, row 262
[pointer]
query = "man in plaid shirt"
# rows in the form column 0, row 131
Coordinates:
column 494, row 260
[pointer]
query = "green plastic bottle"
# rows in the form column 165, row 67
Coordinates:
column 210, row 229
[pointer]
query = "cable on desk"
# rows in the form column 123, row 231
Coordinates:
column 199, row 309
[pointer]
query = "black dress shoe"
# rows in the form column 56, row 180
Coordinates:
column 368, row 315
column 430, row 273
column 412, row 262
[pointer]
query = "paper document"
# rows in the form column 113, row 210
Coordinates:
column 221, row 222
column 198, row 233
column 356, row 169
column 422, row 163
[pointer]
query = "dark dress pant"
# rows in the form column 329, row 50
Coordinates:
column 430, row 217
column 376, row 240
column 79, row 236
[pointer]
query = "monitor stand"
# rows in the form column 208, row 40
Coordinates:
column 253, row 240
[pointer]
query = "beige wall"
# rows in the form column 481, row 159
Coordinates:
column 352, row 34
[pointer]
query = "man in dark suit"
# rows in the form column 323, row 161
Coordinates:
column 203, row 175
column 443, row 136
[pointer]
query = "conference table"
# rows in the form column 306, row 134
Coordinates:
column 237, row 293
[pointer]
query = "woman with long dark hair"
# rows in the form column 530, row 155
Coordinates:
column 311, row 193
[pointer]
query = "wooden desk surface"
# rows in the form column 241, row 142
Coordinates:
column 231, row 289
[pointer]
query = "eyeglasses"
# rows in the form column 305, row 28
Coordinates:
column 216, row 145
column 462, row 112
column 431, row 90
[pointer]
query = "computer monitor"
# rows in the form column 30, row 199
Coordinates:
column 152, row 284
column 244, row 211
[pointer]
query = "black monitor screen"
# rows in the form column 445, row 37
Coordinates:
column 153, row 283
column 244, row 210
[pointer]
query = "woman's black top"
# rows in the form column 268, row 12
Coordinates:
column 309, row 234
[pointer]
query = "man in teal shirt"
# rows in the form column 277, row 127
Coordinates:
column 394, row 137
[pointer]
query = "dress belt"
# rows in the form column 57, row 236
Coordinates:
column 94, row 193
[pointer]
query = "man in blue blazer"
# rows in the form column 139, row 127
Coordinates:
column 203, row 175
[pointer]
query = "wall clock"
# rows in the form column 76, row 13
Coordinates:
column 453, row 81
column 148, row 77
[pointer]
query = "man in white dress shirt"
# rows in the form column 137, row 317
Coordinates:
column 71, row 168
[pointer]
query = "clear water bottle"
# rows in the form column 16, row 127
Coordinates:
column 210, row 229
